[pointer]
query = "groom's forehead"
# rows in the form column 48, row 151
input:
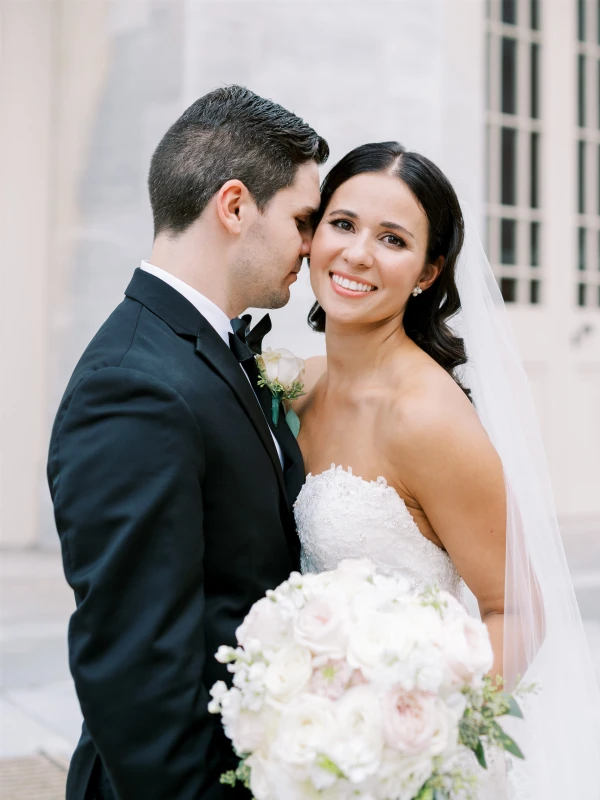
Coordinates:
column 305, row 188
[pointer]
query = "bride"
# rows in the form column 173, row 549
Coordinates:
column 421, row 444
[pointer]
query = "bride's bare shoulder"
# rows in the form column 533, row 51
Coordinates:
column 436, row 410
column 314, row 368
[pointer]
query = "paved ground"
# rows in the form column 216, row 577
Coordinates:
column 39, row 712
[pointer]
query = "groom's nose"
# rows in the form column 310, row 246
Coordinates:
column 307, row 237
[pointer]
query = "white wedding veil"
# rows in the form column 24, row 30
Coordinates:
column 544, row 639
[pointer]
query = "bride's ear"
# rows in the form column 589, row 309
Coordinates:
column 431, row 272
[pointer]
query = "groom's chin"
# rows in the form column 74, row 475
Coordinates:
column 279, row 299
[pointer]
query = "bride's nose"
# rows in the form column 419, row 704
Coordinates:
column 360, row 252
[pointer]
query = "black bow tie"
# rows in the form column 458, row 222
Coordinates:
column 246, row 343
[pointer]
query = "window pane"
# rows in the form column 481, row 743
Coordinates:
column 598, row 250
column 535, row 15
column 534, row 97
column 508, row 241
column 581, row 293
column 581, row 240
column 509, row 11
column 534, row 174
column 534, row 244
column 488, row 68
column 508, row 287
column 599, row 296
column 581, row 20
column 581, row 91
column 509, row 76
column 508, row 190
column 581, row 177
column 598, row 89
column 534, row 292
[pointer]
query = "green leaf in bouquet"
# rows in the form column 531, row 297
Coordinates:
column 328, row 765
column 468, row 730
column 514, row 709
column 235, row 776
column 228, row 778
column 426, row 793
column 480, row 755
column 504, row 740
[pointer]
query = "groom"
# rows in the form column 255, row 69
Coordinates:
column 172, row 488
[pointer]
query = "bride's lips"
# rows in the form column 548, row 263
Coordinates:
column 346, row 292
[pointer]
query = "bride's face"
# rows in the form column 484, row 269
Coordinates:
column 373, row 234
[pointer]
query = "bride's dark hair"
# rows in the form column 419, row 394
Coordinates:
column 426, row 315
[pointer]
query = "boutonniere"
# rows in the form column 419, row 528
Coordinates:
column 282, row 373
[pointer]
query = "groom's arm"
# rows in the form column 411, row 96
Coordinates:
column 126, row 476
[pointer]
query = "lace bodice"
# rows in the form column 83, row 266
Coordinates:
column 340, row 515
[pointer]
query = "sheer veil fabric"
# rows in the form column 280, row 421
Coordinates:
column 544, row 639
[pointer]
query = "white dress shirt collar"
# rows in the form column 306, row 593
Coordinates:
column 209, row 310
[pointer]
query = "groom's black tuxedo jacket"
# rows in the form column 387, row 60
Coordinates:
column 174, row 516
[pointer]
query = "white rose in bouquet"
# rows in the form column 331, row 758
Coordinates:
column 369, row 642
column 358, row 743
column 401, row 777
column 467, row 650
column 289, row 671
column 265, row 623
column 306, row 727
column 260, row 777
column 321, row 626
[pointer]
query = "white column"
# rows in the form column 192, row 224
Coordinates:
column 27, row 68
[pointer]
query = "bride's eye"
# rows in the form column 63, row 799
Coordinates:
column 342, row 224
column 395, row 240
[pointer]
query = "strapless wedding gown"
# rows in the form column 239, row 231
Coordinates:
column 339, row 515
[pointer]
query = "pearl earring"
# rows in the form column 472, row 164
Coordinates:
column 417, row 291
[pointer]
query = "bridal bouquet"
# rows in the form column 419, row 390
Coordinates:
column 348, row 685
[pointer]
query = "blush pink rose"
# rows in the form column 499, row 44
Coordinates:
column 412, row 723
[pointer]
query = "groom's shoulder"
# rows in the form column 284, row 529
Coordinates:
column 133, row 338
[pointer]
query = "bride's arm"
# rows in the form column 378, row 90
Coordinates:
column 447, row 464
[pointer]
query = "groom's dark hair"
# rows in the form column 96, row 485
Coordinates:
column 228, row 133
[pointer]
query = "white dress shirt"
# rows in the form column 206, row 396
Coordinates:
column 211, row 312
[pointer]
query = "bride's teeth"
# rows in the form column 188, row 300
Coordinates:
column 354, row 286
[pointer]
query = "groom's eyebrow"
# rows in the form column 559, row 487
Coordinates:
column 307, row 211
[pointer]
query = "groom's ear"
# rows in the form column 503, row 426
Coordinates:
column 234, row 203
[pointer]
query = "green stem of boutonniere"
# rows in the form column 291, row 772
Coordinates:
column 275, row 404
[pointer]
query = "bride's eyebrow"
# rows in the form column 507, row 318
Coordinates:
column 395, row 227
column 345, row 212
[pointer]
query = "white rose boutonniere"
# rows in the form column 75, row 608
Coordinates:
column 282, row 373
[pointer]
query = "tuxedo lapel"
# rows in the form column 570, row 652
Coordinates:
column 215, row 352
column 185, row 320
column 293, row 463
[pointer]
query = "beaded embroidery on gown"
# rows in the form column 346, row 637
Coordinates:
column 340, row 515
